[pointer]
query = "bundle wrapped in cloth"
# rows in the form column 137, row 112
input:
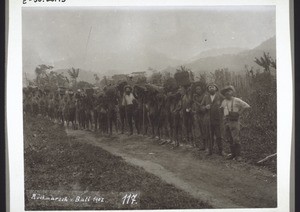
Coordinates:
column 47, row 89
column 77, row 95
column 89, row 91
column 121, row 85
column 139, row 90
column 99, row 94
column 111, row 91
column 170, row 85
column 154, row 88
column 32, row 88
column 61, row 90
column 182, row 77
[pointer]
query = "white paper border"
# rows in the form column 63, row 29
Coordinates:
column 14, row 90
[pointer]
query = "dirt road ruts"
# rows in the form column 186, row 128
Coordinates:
column 222, row 183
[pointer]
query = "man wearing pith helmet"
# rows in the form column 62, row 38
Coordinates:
column 232, row 107
column 212, row 118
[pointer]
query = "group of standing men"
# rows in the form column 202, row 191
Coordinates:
column 210, row 112
column 222, row 109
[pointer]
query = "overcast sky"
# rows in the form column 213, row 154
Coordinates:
column 55, row 34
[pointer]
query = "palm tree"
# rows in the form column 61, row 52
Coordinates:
column 266, row 62
column 74, row 74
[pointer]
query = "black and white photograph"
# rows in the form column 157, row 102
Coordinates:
column 149, row 107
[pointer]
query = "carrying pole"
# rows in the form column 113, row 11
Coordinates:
column 143, row 114
column 210, row 144
column 126, row 116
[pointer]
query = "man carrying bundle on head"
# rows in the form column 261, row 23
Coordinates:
column 61, row 106
column 176, row 108
column 51, row 106
column 121, row 107
column 81, row 111
column 111, row 99
column 140, row 110
column 187, row 115
column 35, row 103
column 88, row 106
column 170, row 88
column 42, row 103
column 72, row 109
column 212, row 118
column 102, row 119
column 232, row 107
column 198, row 95
column 27, row 101
column 184, row 78
column 65, row 110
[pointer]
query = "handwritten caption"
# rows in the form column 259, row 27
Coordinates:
column 37, row 196
column 41, row 1
column 82, row 198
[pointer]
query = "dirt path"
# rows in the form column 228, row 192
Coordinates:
column 223, row 184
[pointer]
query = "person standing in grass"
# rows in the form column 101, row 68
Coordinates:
column 232, row 107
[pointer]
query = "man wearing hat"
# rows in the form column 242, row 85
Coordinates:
column 128, row 100
column 232, row 107
column 210, row 105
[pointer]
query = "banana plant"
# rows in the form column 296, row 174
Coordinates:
column 74, row 73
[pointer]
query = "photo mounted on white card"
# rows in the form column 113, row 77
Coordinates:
column 130, row 106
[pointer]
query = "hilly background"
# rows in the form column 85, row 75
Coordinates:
column 233, row 58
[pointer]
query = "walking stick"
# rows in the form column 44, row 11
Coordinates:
column 143, row 115
column 126, row 116
column 210, row 144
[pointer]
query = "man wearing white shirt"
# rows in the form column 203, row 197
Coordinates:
column 212, row 97
column 128, row 100
column 232, row 107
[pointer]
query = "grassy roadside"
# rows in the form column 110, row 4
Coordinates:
column 55, row 162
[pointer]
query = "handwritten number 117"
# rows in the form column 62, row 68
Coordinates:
column 129, row 199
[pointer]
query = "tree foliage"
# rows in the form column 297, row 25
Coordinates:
column 97, row 79
column 266, row 62
column 74, row 73
column 41, row 72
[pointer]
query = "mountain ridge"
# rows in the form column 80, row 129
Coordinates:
column 223, row 58
column 234, row 62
